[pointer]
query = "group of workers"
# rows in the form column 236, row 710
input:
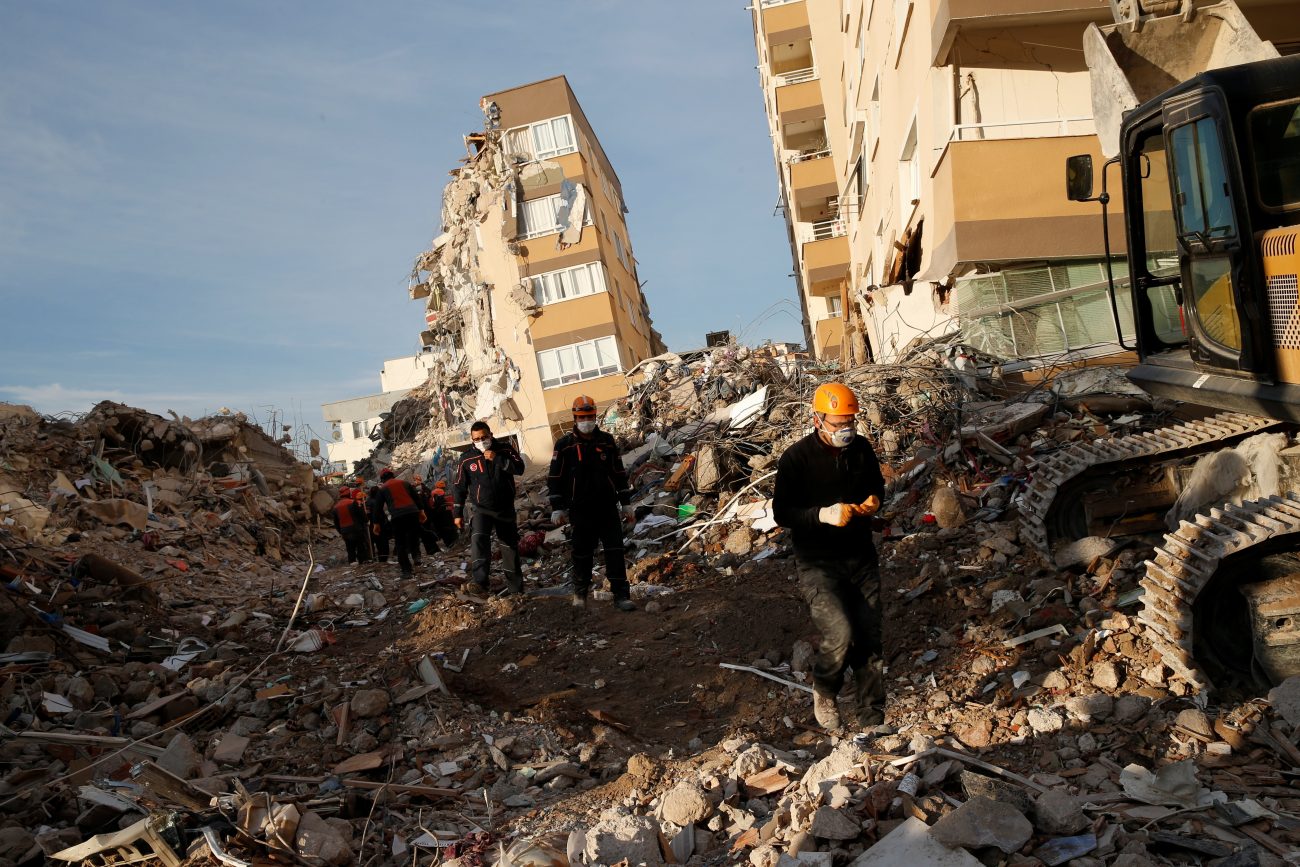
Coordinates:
column 828, row 487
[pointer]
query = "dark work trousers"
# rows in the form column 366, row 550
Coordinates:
column 406, row 537
column 844, row 600
column 603, row 524
column 380, row 541
column 354, row 540
column 481, row 526
column 428, row 537
column 445, row 527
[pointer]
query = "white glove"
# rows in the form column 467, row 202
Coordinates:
column 837, row 514
column 560, row 516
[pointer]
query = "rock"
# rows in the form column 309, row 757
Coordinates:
column 317, row 840
column 739, row 541
column 977, row 734
column 911, row 844
column 685, row 804
column 1090, row 708
column 1196, row 721
column 1129, row 708
column 975, row 785
column 1107, row 676
column 375, row 600
column 367, row 703
column 1001, row 545
column 829, row 823
column 1058, row 813
column 840, row 761
column 766, row 855
column 619, row 836
column 641, row 766
column 80, row 693
column 800, row 841
column 1084, row 551
column 801, row 656
column 180, row 757
column 750, row 762
column 946, row 507
column 15, row 843
column 1044, row 721
column 1131, row 860
column 982, row 822
column 1285, row 698
column 1056, row 680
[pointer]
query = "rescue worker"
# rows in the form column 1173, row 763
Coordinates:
column 428, row 537
column 588, row 487
column 400, row 500
column 828, row 485
column 440, row 513
column 350, row 521
column 485, row 487
column 381, row 529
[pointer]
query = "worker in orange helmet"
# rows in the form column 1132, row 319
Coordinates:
column 350, row 521
column 588, row 486
column 828, row 485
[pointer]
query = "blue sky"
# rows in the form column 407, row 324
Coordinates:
column 217, row 204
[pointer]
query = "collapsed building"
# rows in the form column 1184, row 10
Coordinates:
column 531, row 289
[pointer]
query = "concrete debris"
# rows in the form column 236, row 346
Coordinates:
column 982, row 822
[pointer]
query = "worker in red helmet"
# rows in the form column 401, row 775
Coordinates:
column 485, row 495
column 440, row 513
column 402, row 504
column 828, row 485
column 350, row 521
column 588, row 488
column 428, row 535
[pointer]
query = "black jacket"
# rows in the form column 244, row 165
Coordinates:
column 489, row 485
column 587, row 471
column 812, row 474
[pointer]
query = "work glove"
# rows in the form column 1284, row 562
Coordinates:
column 560, row 517
column 837, row 514
column 869, row 506
column 459, row 523
column 375, row 528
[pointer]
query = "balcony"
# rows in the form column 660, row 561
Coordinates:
column 828, row 337
column 969, row 17
column 812, row 177
column 800, row 100
column 785, row 22
column 826, row 262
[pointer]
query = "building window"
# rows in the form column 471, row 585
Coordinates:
column 909, row 170
column 578, row 361
column 542, row 140
column 873, row 118
column 569, row 283
column 902, row 12
column 541, row 217
column 620, row 250
column 359, row 430
column 833, row 305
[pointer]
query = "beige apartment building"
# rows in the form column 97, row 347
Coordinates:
column 920, row 147
column 531, row 290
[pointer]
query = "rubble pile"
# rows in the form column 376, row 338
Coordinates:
column 284, row 706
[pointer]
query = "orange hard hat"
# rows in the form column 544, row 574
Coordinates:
column 584, row 405
column 834, row 398
column 440, row 485
column 345, row 492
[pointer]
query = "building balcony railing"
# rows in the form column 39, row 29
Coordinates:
column 1052, row 127
column 802, row 157
column 836, row 227
column 797, row 76
column 766, row 3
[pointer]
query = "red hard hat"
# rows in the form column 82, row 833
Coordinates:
column 345, row 492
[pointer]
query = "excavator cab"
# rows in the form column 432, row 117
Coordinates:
column 1210, row 171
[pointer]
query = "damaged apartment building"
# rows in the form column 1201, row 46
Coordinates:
column 531, row 288
column 920, row 147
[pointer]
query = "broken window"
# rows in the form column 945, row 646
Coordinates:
column 539, row 217
column 578, row 361
column 542, row 140
column 569, row 283
column 359, row 430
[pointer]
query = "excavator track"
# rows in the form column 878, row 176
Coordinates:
column 1190, row 560
column 1112, row 456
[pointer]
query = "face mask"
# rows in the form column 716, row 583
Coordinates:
column 585, row 427
column 482, row 445
column 842, row 437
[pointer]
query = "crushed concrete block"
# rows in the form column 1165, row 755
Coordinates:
column 975, row 785
column 614, row 838
column 685, row 804
column 983, row 822
column 829, row 823
column 844, row 758
column 1107, row 676
column 912, row 843
column 1090, row 708
column 180, row 757
column 1129, row 708
column 1057, row 812
column 1045, row 721
column 316, row 839
column 367, row 703
column 1285, row 698
column 1084, row 551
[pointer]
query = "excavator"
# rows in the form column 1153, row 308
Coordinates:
column 1202, row 119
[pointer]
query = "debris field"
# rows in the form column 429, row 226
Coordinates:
column 192, row 673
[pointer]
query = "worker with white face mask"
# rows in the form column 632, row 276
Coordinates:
column 588, row 487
